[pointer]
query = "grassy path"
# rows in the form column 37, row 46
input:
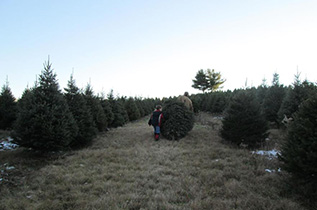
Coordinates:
column 126, row 169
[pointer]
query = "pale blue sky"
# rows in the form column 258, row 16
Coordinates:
column 154, row 48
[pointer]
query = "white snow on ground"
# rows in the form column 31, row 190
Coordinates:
column 270, row 154
column 10, row 168
column 272, row 170
column 6, row 144
column 218, row 118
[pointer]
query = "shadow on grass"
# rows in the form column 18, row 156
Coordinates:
column 16, row 165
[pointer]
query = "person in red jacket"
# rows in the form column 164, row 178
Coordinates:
column 156, row 120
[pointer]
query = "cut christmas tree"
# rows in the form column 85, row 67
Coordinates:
column 177, row 120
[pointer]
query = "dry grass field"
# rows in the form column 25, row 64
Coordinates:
column 126, row 169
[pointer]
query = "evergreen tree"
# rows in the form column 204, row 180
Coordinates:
column 44, row 121
column 140, row 105
column 8, row 108
column 149, row 104
column 273, row 100
column 207, row 80
column 177, row 120
column 299, row 92
column 200, row 81
column 214, row 80
column 123, row 101
column 219, row 101
column 96, row 109
column 261, row 92
column 107, row 110
column 243, row 122
column 120, row 114
column 215, row 102
column 24, row 130
column 197, row 102
column 132, row 109
column 82, row 115
column 299, row 152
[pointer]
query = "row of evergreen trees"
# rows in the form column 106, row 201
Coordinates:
column 248, row 113
column 275, row 101
column 45, row 118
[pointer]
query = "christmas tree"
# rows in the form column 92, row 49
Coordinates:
column 177, row 120
column 243, row 122
column 81, row 113
column 273, row 100
column 132, row 109
column 120, row 114
column 44, row 121
column 8, row 108
column 299, row 152
column 107, row 110
column 140, row 104
column 299, row 92
column 96, row 109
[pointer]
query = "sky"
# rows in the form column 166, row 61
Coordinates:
column 154, row 48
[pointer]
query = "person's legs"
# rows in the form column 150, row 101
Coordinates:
column 157, row 132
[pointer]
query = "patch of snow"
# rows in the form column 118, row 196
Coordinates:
column 272, row 171
column 218, row 118
column 10, row 168
column 270, row 154
column 6, row 144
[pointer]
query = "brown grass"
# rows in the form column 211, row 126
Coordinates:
column 126, row 169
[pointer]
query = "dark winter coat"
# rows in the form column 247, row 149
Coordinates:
column 156, row 118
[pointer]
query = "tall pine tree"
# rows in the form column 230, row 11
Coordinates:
column 96, row 109
column 201, row 81
column 299, row 152
column 119, row 112
column 207, row 80
column 82, row 115
column 261, row 92
column 214, row 80
column 8, row 108
column 299, row 92
column 273, row 100
column 107, row 110
column 44, row 121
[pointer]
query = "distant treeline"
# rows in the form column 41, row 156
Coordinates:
column 47, row 118
column 276, row 100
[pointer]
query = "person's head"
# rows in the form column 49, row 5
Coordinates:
column 158, row 107
column 186, row 94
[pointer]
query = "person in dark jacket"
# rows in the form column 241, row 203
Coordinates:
column 155, row 121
